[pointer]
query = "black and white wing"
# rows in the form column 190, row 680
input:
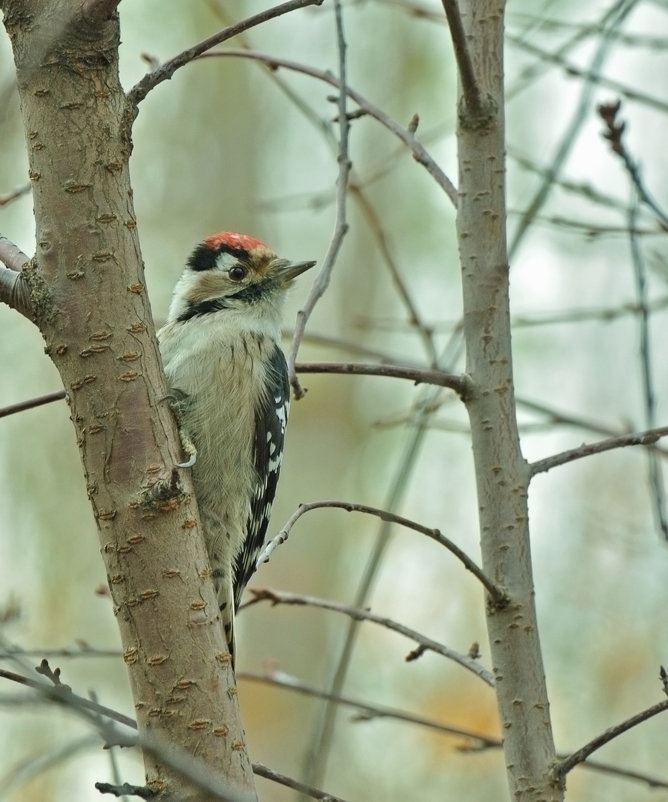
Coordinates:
column 270, row 421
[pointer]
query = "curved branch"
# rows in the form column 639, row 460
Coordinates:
column 420, row 154
column 494, row 591
column 359, row 614
column 165, row 72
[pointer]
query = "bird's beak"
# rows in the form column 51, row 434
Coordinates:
column 285, row 271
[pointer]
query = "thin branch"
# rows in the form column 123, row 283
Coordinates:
column 8, row 197
column 62, row 694
column 454, row 381
column 165, row 72
column 195, row 772
column 415, row 319
column 11, row 651
column 572, row 419
column 592, row 80
column 496, row 593
column 289, row 782
column 341, row 223
column 192, row 770
column 470, row 90
column 648, row 438
column 359, row 614
column 647, row 378
column 593, row 74
column 31, row 403
column 367, row 712
column 419, row 152
column 477, row 741
column 614, row 133
column 315, row 757
column 38, row 763
column 126, row 789
column 564, row 766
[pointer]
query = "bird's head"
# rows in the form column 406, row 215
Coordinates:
column 233, row 272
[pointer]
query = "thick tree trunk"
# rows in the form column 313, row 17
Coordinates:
column 502, row 474
column 88, row 297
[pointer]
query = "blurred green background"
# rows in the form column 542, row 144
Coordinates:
column 223, row 145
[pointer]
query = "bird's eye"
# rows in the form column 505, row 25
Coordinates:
column 237, row 273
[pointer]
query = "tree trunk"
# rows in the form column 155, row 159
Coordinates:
column 88, row 297
column 502, row 475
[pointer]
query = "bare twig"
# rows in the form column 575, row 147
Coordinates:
column 8, row 197
column 63, row 694
column 126, row 789
column 454, row 381
column 341, row 223
column 367, row 712
column 614, row 133
column 52, row 674
column 316, row 756
column 496, row 593
column 37, row 763
column 31, row 403
column 571, row 419
column 647, row 378
column 192, row 770
column 415, row 319
column 476, row 741
column 592, row 79
column 165, row 72
column 11, row 650
column 564, row 766
column 359, row 614
column 418, row 151
column 593, row 74
column 289, row 782
column 648, row 438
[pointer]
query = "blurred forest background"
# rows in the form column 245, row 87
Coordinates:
column 227, row 144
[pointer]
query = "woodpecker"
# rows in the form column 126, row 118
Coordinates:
column 229, row 383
